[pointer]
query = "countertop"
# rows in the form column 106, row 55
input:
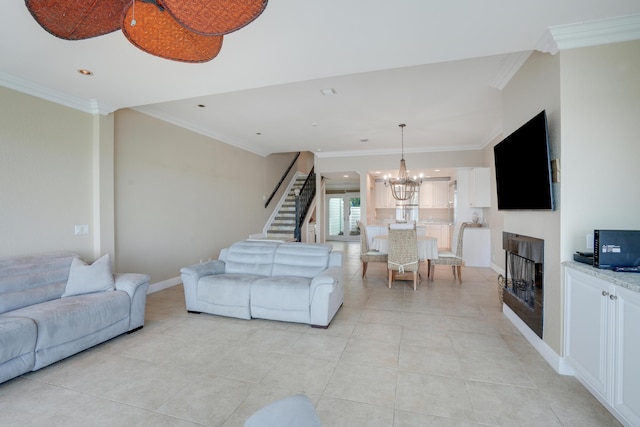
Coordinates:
column 630, row 281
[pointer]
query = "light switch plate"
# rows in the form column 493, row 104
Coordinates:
column 81, row 229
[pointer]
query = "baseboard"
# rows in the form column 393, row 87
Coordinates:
column 556, row 362
column 165, row 284
column 497, row 269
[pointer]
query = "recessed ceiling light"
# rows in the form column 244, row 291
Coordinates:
column 314, row 124
column 328, row 91
column 319, row 149
column 85, row 72
column 436, row 170
column 258, row 133
column 201, row 105
column 364, row 140
column 345, row 176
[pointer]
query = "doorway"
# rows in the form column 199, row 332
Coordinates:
column 343, row 214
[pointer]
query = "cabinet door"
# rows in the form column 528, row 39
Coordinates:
column 426, row 194
column 383, row 196
column 587, row 335
column 627, row 348
column 476, row 247
column 445, row 239
column 440, row 194
column 435, row 231
column 479, row 188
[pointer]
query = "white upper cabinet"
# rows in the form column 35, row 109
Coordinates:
column 434, row 194
column 384, row 199
column 479, row 188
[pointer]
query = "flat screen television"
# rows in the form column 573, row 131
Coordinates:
column 523, row 167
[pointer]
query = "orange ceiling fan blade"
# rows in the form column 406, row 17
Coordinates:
column 214, row 17
column 77, row 19
column 155, row 31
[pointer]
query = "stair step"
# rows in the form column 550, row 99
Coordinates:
column 282, row 228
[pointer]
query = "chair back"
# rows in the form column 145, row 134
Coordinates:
column 402, row 226
column 403, row 250
column 458, row 237
column 364, row 242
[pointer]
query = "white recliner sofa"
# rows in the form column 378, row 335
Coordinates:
column 54, row 305
column 286, row 281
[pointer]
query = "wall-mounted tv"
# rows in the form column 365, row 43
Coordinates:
column 523, row 167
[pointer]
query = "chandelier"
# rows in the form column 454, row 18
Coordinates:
column 402, row 186
column 180, row 30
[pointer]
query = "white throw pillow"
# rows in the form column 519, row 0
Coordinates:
column 87, row 279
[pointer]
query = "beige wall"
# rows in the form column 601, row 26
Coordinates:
column 46, row 176
column 536, row 87
column 600, row 141
column 180, row 196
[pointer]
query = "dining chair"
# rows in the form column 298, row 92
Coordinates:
column 368, row 255
column 453, row 257
column 403, row 255
column 402, row 225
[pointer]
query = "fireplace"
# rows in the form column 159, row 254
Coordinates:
column 523, row 284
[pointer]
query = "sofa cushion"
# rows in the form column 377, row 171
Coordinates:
column 28, row 280
column 65, row 320
column 87, row 279
column 17, row 337
column 250, row 257
column 300, row 259
column 226, row 289
column 17, row 343
column 284, row 298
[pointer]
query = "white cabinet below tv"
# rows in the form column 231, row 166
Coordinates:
column 601, row 341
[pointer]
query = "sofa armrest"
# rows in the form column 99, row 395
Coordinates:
column 191, row 275
column 332, row 276
column 326, row 295
column 136, row 285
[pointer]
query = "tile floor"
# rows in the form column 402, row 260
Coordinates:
column 443, row 355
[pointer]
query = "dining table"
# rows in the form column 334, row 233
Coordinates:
column 427, row 246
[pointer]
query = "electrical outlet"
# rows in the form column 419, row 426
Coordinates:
column 82, row 229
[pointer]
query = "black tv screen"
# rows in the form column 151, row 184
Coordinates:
column 523, row 168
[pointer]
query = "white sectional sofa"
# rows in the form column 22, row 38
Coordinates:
column 292, row 282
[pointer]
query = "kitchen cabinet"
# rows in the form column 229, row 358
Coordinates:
column 434, row 194
column 601, row 342
column 479, row 188
column 476, row 247
column 440, row 232
column 384, row 198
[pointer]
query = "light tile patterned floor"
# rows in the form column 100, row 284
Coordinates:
column 443, row 355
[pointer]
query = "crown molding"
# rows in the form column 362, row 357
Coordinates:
column 161, row 115
column 547, row 44
column 90, row 106
column 604, row 31
column 561, row 37
column 360, row 153
column 509, row 68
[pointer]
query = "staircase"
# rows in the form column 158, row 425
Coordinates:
column 284, row 223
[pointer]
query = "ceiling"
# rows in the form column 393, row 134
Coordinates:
column 436, row 66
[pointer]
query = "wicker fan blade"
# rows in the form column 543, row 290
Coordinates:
column 156, row 32
column 214, row 17
column 77, row 19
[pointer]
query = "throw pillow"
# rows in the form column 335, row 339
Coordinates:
column 87, row 279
